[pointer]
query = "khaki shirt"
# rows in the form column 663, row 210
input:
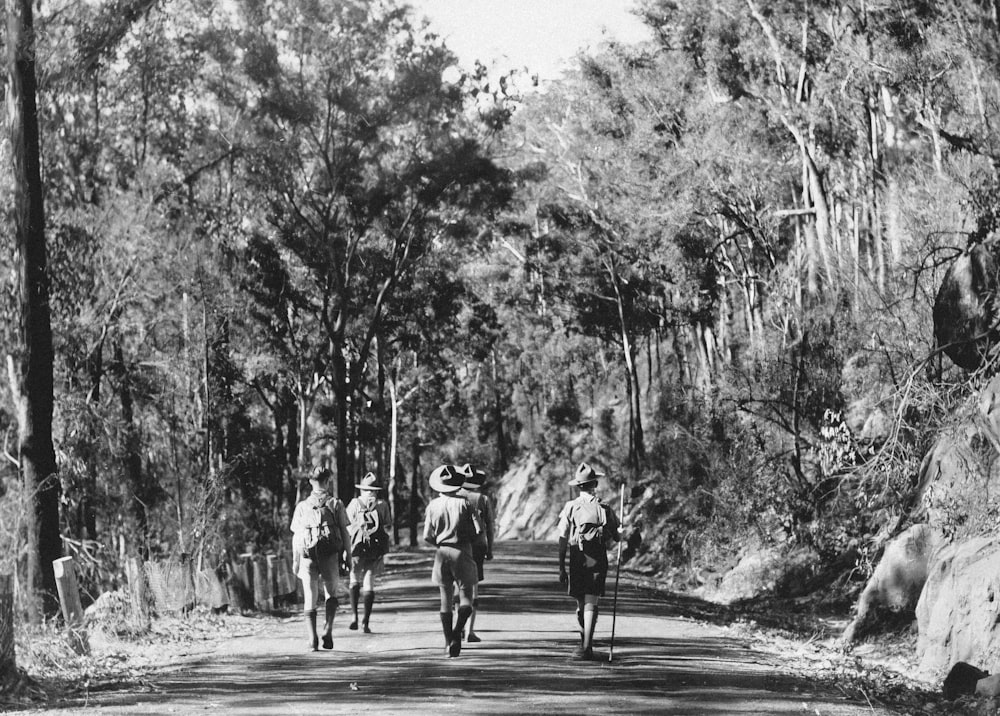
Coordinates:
column 356, row 515
column 569, row 526
column 450, row 520
column 484, row 513
column 300, row 521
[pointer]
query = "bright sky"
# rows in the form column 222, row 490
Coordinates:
column 542, row 35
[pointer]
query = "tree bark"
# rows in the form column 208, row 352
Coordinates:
column 415, row 492
column 132, row 456
column 31, row 368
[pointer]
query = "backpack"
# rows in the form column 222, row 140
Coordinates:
column 322, row 534
column 589, row 519
column 370, row 541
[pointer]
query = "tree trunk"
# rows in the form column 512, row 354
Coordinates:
column 31, row 368
column 501, row 437
column 132, row 456
column 392, row 487
column 345, row 484
column 415, row 492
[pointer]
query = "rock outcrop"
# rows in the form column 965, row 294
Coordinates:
column 897, row 581
column 526, row 506
column 959, row 608
column 760, row 571
column 965, row 310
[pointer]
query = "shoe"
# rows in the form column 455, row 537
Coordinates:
column 366, row 629
column 327, row 641
column 455, row 648
column 314, row 644
column 353, row 626
column 474, row 638
column 587, row 655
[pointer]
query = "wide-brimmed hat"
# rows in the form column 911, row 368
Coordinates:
column 585, row 474
column 474, row 477
column 445, row 480
column 320, row 474
column 368, row 482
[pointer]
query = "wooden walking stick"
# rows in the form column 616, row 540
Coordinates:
column 618, row 572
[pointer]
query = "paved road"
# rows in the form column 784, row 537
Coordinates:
column 662, row 664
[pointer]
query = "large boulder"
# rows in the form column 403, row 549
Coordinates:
column 959, row 608
column 965, row 310
column 957, row 476
column 897, row 581
column 779, row 571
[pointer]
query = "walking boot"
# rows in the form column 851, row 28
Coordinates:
column 310, row 615
column 369, row 603
column 446, row 627
column 331, row 611
column 355, row 595
column 455, row 647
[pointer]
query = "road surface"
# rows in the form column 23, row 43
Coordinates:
column 663, row 664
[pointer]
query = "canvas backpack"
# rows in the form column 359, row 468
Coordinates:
column 370, row 541
column 589, row 519
column 322, row 533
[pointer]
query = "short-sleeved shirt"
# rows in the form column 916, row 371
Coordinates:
column 358, row 514
column 484, row 514
column 300, row 521
column 451, row 520
column 357, row 510
column 570, row 519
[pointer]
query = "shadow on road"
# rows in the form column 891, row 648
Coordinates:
column 662, row 664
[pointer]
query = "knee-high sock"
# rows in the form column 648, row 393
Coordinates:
column 463, row 616
column 369, row 602
column 331, row 610
column 589, row 622
column 355, row 595
column 446, row 626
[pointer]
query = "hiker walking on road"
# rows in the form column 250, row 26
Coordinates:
column 369, row 527
column 319, row 539
column 482, row 547
column 450, row 525
column 587, row 527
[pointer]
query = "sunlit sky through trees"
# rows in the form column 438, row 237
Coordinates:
column 542, row 35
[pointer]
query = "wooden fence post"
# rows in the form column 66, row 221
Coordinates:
column 8, row 662
column 138, row 591
column 69, row 598
column 241, row 584
column 261, row 585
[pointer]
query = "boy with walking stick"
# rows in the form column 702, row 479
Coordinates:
column 587, row 527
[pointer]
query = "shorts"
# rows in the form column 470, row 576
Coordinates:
column 587, row 573
column 479, row 557
column 452, row 564
column 360, row 565
column 326, row 568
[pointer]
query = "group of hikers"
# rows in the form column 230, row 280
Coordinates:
column 459, row 524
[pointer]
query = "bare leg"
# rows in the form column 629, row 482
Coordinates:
column 472, row 617
column 447, row 596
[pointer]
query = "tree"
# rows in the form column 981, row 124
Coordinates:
column 31, row 368
column 368, row 164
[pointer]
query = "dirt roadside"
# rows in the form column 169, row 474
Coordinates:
column 663, row 663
